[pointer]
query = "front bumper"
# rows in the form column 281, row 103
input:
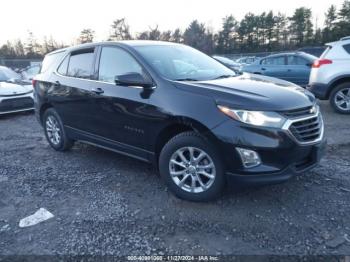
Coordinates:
column 321, row 91
column 309, row 162
column 17, row 103
column 281, row 155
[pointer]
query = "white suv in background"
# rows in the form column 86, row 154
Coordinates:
column 330, row 75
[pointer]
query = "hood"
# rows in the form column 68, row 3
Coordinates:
column 252, row 92
column 11, row 89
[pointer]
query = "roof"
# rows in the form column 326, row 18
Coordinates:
column 131, row 43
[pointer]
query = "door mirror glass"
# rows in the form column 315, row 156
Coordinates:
column 133, row 79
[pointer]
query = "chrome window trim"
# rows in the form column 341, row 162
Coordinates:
column 103, row 82
column 94, row 80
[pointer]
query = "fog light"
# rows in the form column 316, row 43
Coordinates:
column 249, row 158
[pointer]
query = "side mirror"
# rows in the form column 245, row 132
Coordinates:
column 133, row 79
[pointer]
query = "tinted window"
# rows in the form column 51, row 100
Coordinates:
column 279, row 60
column 296, row 60
column 80, row 64
column 115, row 61
column 179, row 62
column 62, row 69
column 347, row 48
column 50, row 59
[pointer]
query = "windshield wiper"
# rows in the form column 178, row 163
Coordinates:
column 186, row 79
column 223, row 76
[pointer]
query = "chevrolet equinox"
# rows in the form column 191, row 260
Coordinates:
column 168, row 104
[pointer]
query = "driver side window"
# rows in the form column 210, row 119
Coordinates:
column 115, row 61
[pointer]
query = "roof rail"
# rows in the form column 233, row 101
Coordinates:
column 345, row 38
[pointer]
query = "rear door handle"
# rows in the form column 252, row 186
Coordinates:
column 97, row 90
column 263, row 69
column 57, row 84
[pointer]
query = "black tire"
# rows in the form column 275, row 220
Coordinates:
column 192, row 139
column 64, row 142
column 332, row 98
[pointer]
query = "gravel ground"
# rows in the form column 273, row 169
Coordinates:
column 108, row 204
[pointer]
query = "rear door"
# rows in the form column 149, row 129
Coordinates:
column 274, row 66
column 71, row 93
column 298, row 70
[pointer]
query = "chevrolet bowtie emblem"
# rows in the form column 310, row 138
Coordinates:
column 313, row 110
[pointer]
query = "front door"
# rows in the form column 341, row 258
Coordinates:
column 122, row 112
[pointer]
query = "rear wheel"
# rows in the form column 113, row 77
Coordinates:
column 340, row 98
column 54, row 131
column 191, row 167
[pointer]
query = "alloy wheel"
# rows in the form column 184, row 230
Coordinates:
column 53, row 130
column 192, row 169
column 342, row 99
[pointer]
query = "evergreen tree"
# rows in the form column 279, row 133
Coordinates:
column 301, row 26
column 227, row 36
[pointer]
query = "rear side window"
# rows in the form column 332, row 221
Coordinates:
column 296, row 60
column 62, row 69
column 50, row 60
column 80, row 64
column 115, row 61
column 326, row 52
column 347, row 48
column 273, row 61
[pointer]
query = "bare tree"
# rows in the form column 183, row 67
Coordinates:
column 120, row 30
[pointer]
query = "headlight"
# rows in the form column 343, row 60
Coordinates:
column 256, row 118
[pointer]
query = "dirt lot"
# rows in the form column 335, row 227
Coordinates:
column 105, row 203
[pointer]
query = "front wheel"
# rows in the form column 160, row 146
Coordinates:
column 340, row 98
column 191, row 167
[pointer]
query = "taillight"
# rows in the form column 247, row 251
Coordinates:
column 321, row 62
column 33, row 83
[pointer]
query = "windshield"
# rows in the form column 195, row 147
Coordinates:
column 7, row 74
column 181, row 63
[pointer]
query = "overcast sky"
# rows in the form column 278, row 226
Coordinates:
column 64, row 19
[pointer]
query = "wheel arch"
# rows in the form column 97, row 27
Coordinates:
column 42, row 110
column 180, row 125
column 337, row 82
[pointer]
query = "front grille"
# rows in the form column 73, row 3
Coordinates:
column 16, row 104
column 307, row 130
column 301, row 112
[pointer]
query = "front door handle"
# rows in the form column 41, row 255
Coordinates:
column 97, row 90
column 263, row 69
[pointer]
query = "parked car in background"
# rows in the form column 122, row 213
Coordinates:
column 294, row 67
column 16, row 95
column 234, row 66
column 330, row 75
column 313, row 50
column 29, row 72
column 246, row 60
column 199, row 126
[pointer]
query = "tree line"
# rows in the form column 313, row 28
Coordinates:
column 254, row 33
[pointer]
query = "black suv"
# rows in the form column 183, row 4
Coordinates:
column 175, row 107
